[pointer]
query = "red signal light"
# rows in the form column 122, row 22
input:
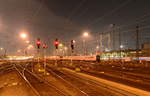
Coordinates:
column 38, row 43
column 56, row 43
column 72, row 45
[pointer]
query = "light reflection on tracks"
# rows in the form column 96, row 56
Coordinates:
column 94, row 83
column 43, row 87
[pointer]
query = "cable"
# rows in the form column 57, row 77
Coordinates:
column 82, row 13
column 76, row 9
column 109, row 13
column 138, row 20
column 36, row 12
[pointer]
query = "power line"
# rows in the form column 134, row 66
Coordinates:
column 76, row 9
column 138, row 20
column 109, row 13
column 82, row 13
column 36, row 11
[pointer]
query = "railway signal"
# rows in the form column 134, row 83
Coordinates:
column 38, row 43
column 72, row 45
column 56, row 43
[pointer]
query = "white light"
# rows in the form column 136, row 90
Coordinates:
column 121, row 46
column 1, row 48
column 65, row 48
column 23, row 35
column 107, row 50
column 85, row 34
column 97, row 47
column 60, row 45
column 74, row 41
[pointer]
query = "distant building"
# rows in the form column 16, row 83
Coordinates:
column 120, row 54
column 146, row 49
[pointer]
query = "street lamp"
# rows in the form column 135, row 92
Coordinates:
column 97, row 48
column 121, row 46
column 23, row 35
column 65, row 49
column 85, row 35
column 1, row 48
column 5, row 51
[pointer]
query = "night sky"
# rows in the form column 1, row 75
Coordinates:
column 68, row 19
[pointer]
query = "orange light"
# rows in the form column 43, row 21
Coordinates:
column 23, row 35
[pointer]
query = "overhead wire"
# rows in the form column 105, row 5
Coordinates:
column 109, row 13
column 76, row 9
column 36, row 11
column 137, row 21
column 82, row 13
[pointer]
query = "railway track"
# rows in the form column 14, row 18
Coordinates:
column 27, row 82
column 123, row 75
column 92, row 88
column 82, row 85
column 136, row 78
column 61, row 84
column 69, row 84
column 6, row 68
column 40, row 86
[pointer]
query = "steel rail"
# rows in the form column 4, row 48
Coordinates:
column 49, row 70
column 46, row 82
column 112, row 88
column 25, row 79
